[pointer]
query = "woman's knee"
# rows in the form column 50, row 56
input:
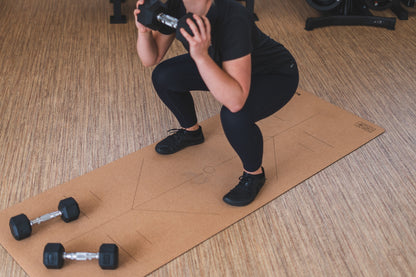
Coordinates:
column 174, row 73
column 161, row 75
column 240, row 119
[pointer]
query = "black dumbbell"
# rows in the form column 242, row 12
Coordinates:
column 21, row 226
column 54, row 256
column 153, row 15
column 148, row 14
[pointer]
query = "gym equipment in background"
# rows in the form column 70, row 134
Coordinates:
column 409, row 3
column 117, row 17
column 401, row 12
column 356, row 12
column 348, row 12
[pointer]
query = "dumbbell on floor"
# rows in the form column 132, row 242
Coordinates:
column 54, row 255
column 21, row 226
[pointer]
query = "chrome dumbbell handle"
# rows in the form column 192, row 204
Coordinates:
column 167, row 20
column 45, row 217
column 81, row 256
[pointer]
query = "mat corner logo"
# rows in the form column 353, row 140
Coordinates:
column 364, row 126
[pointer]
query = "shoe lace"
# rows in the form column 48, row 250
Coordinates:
column 244, row 183
column 176, row 134
column 175, row 130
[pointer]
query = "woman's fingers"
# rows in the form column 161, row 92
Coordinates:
column 140, row 2
column 202, row 29
column 207, row 26
column 186, row 35
column 201, row 26
column 194, row 28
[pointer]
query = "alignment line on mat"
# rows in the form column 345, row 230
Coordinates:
column 138, row 183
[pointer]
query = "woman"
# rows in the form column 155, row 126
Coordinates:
column 250, row 74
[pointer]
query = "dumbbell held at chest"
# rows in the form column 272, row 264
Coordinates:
column 21, row 226
column 154, row 16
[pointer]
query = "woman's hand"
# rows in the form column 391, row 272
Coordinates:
column 140, row 27
column 201, row 41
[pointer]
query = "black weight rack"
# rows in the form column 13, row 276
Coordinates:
column 350, row 12
column 402, row 13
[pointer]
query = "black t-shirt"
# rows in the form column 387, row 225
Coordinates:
column 234, row 34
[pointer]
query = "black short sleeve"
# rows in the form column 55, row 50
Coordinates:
column 236, row 39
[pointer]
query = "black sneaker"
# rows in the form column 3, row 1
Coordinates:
column 246, row 190
column 180, row 139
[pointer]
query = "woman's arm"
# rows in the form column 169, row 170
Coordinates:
column 230, row 84
column 151, row 45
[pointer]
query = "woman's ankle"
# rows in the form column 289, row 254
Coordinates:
column 256, row 172
column 193, row 128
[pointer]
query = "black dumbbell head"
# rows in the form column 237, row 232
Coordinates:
column 182, row 24
column 20, row 226
column 69, row 208
column 53, row 257
column 148, row 16
column 108, row 256
column 148, row 12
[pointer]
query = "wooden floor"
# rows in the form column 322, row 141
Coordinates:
column 74, row 97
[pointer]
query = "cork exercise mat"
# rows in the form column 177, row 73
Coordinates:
column 157, row 207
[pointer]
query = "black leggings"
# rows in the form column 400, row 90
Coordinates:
column 173, row 80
